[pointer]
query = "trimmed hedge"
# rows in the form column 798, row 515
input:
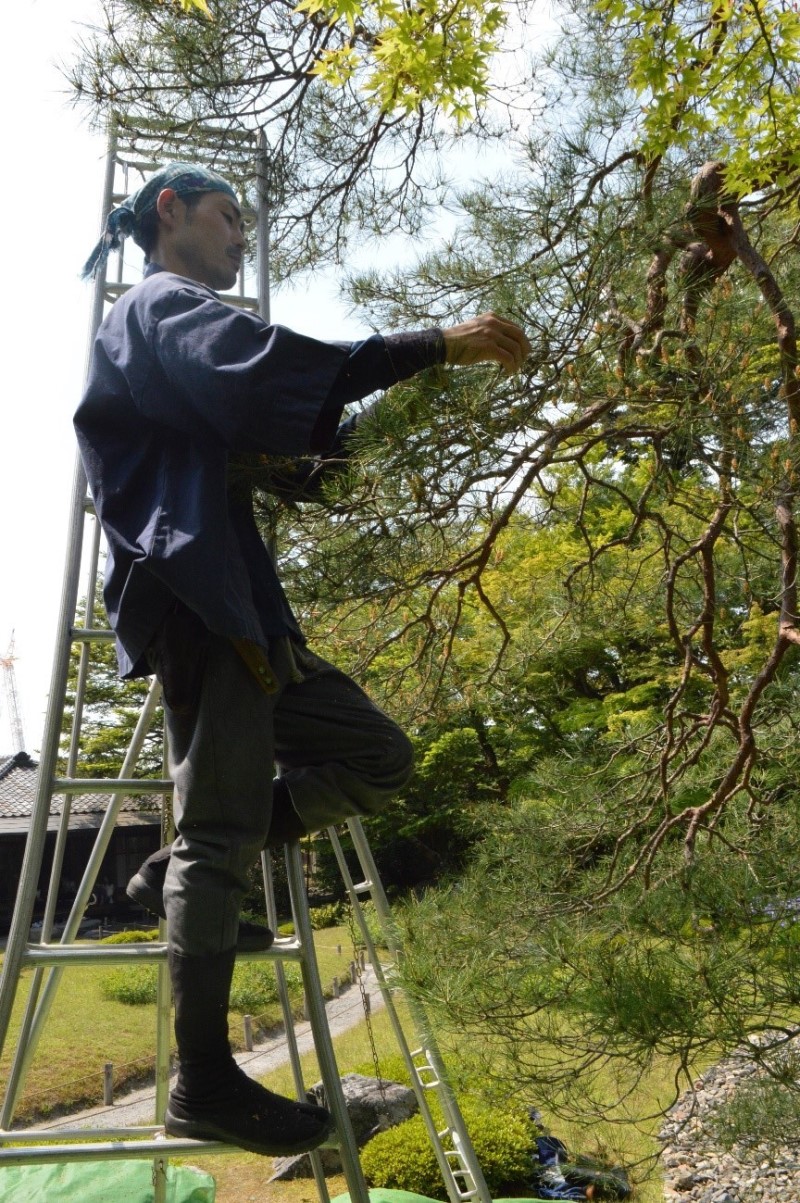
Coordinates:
column 134, row 985
column 402, row 1157
column 326, row 916
column 255, row 986
column 131, row 937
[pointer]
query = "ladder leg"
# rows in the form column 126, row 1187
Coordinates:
column 323, row 1045
column 288, row 1021
column 462, row 1153
column 25, row 1051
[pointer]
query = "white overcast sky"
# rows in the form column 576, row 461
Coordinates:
column 49, row 216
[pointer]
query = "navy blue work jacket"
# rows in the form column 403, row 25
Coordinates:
column 180, row 380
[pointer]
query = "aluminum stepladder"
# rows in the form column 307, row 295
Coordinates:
column 455, row 1155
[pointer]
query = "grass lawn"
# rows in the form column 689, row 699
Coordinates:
column 85, row 1030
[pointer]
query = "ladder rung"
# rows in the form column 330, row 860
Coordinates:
column 230, row 298
column 91, row 635
column 30, row 1136
column 287, row 949
column 119, row 1150
column 110, row 785
column 455, row 1154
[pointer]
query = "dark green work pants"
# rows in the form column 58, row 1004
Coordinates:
column 339, row 754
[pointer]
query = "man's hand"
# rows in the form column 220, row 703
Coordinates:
column 487, row 339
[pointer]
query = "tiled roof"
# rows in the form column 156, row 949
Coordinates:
column 18, row 774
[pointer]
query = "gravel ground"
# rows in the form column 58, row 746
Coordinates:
column 698, row 1171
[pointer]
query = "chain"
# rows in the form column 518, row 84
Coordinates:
column 351, row 925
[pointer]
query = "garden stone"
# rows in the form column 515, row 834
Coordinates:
column 372, row 1104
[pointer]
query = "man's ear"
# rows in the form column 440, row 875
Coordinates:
column 167, row 206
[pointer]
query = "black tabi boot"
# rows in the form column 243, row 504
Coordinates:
column 213, row 1099
column 146, row 887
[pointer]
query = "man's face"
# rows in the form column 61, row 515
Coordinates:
column 206, row 239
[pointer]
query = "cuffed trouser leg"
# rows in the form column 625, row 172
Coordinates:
column 338, row 752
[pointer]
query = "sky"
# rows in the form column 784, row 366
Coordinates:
column 50, row 215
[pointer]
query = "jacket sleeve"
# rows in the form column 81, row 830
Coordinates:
column 377, row 362
column 230, row 377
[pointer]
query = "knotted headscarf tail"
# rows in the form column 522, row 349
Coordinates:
column 125, row 220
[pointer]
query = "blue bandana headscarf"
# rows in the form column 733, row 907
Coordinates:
column 125, row 220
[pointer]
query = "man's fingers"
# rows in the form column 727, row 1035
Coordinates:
column 487, row 338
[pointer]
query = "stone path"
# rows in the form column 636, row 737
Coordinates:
column 698, row 1171
column 138, row 1106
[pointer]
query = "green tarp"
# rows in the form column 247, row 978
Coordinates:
column 101, row 1182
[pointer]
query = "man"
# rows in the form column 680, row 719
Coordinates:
column 180, row 384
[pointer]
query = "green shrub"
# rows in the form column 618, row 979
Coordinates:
column 402, row 1157
column 133, row 985
column 255, row 987
column 286, row 929
column 326, row 916
column 131, row 937
column 130, row 984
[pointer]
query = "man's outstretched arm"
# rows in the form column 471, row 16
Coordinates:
column 483, row 339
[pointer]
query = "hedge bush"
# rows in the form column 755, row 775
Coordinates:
column 255, row 986
column 374, row 925
column 131, row 937
column 402, row 1157
column 133, row 985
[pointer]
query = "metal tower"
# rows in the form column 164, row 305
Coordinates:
column 12, row 698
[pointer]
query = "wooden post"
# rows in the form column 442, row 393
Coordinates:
column 336, row 988
column 248, row 1033
column 353, row 972
column 108, row 1084
column 367, row 1004
column 338, row 950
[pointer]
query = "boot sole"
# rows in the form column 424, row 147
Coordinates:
column 204, row 1130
